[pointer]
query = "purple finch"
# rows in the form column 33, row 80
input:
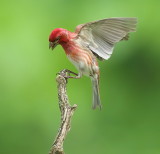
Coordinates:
column 92, row 41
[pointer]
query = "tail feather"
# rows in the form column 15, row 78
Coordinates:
column 96, row 94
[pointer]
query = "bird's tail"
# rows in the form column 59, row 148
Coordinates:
column 96, row 94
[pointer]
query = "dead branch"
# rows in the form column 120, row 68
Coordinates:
column 66, row 112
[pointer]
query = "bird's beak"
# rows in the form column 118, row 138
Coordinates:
column 52, row 45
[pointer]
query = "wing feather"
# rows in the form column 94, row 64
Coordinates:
column 101, row 36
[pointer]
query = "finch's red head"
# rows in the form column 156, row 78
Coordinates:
column 55, row 37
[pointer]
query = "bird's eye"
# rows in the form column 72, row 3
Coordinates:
column 57, row 38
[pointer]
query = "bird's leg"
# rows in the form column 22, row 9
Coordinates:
column 67, row 74
column 75, row 77
column 70, row 72
column 78, row 76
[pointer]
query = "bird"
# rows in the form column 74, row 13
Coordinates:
column 91, row 42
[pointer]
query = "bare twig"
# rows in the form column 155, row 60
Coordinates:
column 66, row 112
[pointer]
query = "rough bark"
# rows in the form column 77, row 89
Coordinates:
column 66, row 113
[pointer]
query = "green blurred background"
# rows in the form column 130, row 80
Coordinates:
column 129, row 122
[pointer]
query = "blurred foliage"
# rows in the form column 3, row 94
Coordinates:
column 129, row 84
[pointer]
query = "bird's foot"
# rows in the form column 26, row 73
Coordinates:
column 67, row 74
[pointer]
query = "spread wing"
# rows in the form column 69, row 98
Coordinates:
column 101, row 36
